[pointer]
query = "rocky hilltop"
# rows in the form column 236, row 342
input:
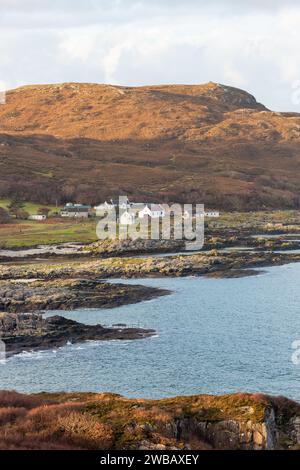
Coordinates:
column 108, row 421
column 206, row 143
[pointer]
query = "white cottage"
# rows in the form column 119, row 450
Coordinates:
column 102, row 208
column 127, row 218
column 121, row 204
column 38, row 217
column 212, row 214
column 153, row 210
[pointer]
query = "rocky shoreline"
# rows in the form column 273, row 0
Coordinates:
column 201, row 264
column 71, row 285
column 32, row 295
column 68, row 285
column 285, row 238
column 31, row 332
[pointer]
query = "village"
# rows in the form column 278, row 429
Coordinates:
column 28, row 224
column 127, row 212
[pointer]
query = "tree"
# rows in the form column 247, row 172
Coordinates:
column 16, row 208
column 44, row 211
column 16, row 203
column 19, row 213
column 4, row 216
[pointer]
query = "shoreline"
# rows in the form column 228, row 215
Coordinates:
column 31, row 332
column 204, row 264
column 56, row 331
column 43, row 287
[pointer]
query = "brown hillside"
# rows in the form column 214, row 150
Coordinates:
column 200, row 143
column 93, row 421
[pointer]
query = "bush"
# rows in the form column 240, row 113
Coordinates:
column 85, row 431
column 4, row 216
column 16, row 400
column 11, row 414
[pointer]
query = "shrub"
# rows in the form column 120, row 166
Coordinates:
column 4, row 216
column 11, row 414
column 85, row 431
column 14, row 399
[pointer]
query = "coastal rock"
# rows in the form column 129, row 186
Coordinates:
column 68, row 294
column 107, row 248
column 198, row 264
column 32, row 332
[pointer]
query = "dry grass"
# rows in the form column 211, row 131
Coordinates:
column 108, row 421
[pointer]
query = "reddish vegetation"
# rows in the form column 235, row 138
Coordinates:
column 108, row 421
column 201, row 143
column 32, row 423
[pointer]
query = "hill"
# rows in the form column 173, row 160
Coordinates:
column 93, row 421
column 208, row 143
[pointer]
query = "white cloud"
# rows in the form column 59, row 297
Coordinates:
column 250, row 44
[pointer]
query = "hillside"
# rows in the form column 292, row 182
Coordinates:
column 91, row 421
column 209, row 144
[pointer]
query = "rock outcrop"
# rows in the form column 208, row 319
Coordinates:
column 108, row 421
column 32, row 332
column 31, row 295
column 206, row 263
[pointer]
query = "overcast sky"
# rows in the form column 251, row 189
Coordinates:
column 250, row 44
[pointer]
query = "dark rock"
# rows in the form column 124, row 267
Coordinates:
column 31, row 332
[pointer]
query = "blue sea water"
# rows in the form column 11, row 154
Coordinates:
column 213, row 336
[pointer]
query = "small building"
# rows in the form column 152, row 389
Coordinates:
column 209, row 214
column 153, row 210
column 137, row 206
column 38, row 217
column 102, row 208
column 111, row 205
column 124, row 205
column 127, row 218
column 76, row 211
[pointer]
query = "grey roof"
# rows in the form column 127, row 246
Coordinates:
column 77, row 208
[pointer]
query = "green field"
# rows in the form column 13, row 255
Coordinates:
column 30, row 233
column 31, row 207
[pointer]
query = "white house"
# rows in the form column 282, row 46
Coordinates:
column 210, row 214
column 102, row 208
column 124, row 204
column 137, row 206
column 153, row 210
column 37, row 217
column 112, row 204
column 127, row 218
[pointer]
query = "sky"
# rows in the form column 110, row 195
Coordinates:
column 249, row 44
